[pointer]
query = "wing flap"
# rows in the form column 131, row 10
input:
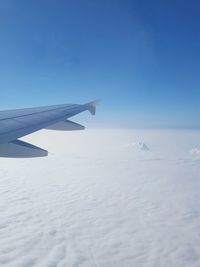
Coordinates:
column 20, row 149
column 66, row 125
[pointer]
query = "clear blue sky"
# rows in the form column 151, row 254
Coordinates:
column 141, row 57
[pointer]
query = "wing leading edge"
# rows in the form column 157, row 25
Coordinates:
column 15, row 124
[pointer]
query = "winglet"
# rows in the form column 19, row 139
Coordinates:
column 92, row 106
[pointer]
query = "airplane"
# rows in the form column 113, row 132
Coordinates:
column 17, row 123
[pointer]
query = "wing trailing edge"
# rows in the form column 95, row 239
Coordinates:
column 21, row 149
column 66, row 125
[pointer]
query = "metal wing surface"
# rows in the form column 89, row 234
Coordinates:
column 18, row 123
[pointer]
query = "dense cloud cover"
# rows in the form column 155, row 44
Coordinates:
column 102, row 199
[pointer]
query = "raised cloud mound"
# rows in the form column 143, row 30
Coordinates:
column 140, row 146
column 195, row 152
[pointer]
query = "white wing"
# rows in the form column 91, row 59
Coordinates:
column 18, row 123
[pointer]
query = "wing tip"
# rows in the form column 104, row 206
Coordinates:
column 92, row 106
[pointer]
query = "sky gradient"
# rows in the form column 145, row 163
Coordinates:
column 141, row 57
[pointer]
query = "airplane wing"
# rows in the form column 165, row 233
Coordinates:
column 18, row 123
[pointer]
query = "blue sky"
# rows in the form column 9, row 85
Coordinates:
column 141, row 57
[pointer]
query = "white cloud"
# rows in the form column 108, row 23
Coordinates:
column 93, row 203
column 195, row 152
